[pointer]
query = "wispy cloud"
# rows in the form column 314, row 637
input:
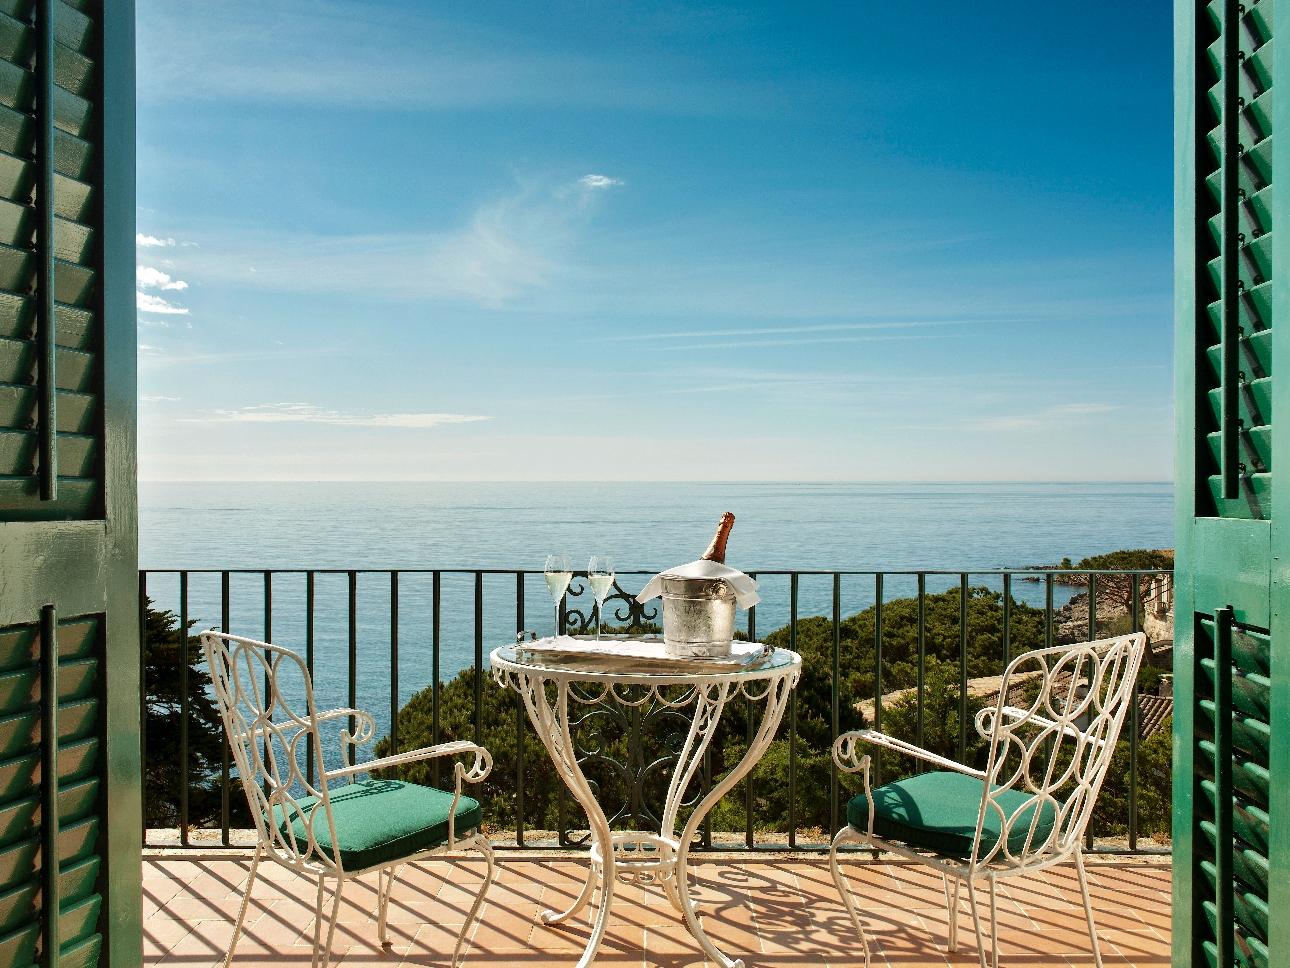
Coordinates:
column 598, row 181
column 148, row 241
column 509, row 248
column 155, row 304
column 755, row 331
column 158, row 399
column 747, row 343
column 308, row 413
column 148, row 278
column 1045, row 416
column 337, row 53
column 1084, row 408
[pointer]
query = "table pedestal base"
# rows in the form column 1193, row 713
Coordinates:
column 662, row 857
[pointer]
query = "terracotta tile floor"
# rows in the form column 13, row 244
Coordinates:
column 766, row 911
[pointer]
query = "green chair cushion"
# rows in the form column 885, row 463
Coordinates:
column 382, row 821
column 938, row 811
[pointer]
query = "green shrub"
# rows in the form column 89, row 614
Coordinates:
column 812, row 768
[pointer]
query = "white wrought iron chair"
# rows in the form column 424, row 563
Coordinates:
column 1029, row 808
column 317, row 829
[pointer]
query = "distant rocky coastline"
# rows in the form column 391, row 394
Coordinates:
column 1114, row 594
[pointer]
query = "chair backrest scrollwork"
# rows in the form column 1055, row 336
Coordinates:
column 269, row 739
column 1052, row 735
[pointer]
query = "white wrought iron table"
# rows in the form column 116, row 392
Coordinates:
column 663, row 856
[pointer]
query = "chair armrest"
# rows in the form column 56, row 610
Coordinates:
column 339, row 714
column 481, row 767
column 844, row 755
column 366, row 727
column 844, row 748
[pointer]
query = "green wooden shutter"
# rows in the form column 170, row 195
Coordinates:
column 69, row 633
column 1232, row 769
column 78, row 421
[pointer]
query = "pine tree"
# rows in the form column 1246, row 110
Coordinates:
column 165, row 651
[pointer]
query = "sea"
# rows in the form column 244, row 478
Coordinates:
column 461, row 528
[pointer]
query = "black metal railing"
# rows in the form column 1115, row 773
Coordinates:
column 412, row 605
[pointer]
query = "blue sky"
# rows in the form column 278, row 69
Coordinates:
column 510, row 241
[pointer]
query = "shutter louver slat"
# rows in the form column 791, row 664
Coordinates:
column 1254, row 269
column 1251, row 737
column 79, row 789
column 76, row 336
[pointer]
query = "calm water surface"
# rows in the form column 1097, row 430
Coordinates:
column 646, row 527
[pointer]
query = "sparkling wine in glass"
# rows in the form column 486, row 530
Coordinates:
column 559, row 572
column 600, row 575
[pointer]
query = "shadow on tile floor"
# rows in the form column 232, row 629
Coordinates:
column 770, row 913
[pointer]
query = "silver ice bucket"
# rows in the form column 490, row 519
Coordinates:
column 698, row 617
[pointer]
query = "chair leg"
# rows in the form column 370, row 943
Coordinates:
column 994, row 923
column 845, row 835
column 331, row 923
column 318, row 918
column 485, row 848
column 952, row 908
column 976, row 921
column 241, row 914
column 1088, row 908
column 384, row 885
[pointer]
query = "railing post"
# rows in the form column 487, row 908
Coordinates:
column 435, row 599
column 519, row 721
column 1092, row 607
column 749, row 837
column 1092, row 636
column 268, row 638
column 792, row 719
column 223, row 733
column 963, row 666
column 268, row 611
column 707, row 785
column 353, row 657
column 479, row 658
column 183, row 709
column 922, row 654
column 1048, row 610
column 1134, row 727
column 877, row 674
column 49, row 786
column 1007, row 619
column 394, row 665
column 309, row 660
column 835, row 700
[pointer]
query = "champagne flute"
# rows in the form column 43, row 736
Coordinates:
column 559, row 572
column 600, row 575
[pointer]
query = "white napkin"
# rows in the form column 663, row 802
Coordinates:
column 745, row 588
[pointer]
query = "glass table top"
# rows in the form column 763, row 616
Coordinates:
column 606, row 665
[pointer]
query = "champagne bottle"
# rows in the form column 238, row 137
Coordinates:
column 717, row 550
